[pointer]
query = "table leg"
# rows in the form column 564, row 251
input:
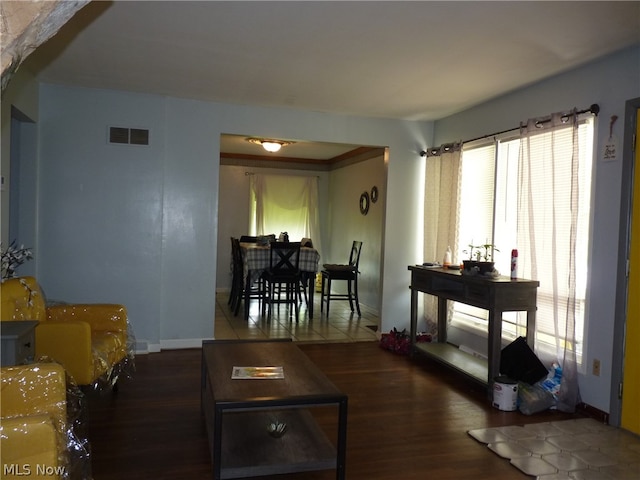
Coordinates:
column 414, row 317
column 442, row 320
column 531, row 327
column 247, row 288
column 342, row 440
column 216, row 444
column 494, row 346
column 311, row 288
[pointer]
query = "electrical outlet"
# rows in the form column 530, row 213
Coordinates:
column 596, row 367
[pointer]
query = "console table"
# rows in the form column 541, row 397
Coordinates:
column 497, row 295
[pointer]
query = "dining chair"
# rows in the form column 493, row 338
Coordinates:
column 306, row 242
column 348, row 272
column 283, row 271
column 248, row 239
column 236, row 275
column 239, row 291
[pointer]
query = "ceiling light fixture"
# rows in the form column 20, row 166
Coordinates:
column 271, row 146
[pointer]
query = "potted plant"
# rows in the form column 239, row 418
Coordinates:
column 480, row 258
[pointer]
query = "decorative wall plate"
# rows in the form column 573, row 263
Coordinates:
column 364, row 203
column 374, row 194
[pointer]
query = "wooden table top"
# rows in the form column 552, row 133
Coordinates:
column 302, row 378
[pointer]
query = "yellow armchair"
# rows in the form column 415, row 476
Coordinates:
column 91, row 341
column 33, row 421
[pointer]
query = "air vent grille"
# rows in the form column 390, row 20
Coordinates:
column 118, row 135
column 128, row 136
column 139, row 136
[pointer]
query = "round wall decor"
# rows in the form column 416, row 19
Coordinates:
column 374, row 194
column 364, row 203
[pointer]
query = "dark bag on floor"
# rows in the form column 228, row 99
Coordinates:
column 517, row 361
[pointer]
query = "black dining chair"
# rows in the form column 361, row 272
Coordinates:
column 239, row 292
column 347, row 272
column 305, row 276
column 248, row 239
column 235, row 295
column 283, row 271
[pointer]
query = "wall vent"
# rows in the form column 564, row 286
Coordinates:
column 128, row 136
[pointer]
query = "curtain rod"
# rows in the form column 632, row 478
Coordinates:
column 594, row 108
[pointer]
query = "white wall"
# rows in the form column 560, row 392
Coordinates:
column 139, row 225
column 347, row 224
column 21, row 93
column 102, row 218
column 609, row 83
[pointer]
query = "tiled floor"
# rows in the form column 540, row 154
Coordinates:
column 341, row 326
column 580, row 449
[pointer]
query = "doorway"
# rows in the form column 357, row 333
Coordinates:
column 345, row 171
column 630, row 418
column 625, row 389
column 22, row 185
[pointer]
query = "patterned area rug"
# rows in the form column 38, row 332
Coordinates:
column 582, row 449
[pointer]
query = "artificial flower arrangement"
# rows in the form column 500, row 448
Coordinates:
column 400, row 341
column 12, row 257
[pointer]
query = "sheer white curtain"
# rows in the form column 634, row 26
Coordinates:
column 441, row 216
column 549, row 188
column 285, row 203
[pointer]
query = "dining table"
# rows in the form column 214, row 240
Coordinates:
column 256, row 259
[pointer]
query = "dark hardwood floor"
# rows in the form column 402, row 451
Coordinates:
column 408, row 419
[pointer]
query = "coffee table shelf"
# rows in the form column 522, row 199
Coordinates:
column 249, row 451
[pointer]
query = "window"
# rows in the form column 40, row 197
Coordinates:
column 284, row 203
column 488, row 214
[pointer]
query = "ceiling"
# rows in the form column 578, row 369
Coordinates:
column 324, row 152
column 404, row 60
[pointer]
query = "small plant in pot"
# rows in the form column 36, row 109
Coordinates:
column 480, row 258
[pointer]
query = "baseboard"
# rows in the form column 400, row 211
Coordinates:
column 181, row 343
column 593, row 412
column 143, row 347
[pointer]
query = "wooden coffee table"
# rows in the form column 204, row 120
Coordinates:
column 238, row 412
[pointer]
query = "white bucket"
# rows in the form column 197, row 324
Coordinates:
column 505, row 394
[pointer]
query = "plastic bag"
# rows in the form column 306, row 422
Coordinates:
column 552, row 383
column 533, row 399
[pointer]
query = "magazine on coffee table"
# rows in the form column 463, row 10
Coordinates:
column 257, row 373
